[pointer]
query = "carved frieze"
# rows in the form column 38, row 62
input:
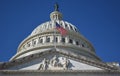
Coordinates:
column 54, row 63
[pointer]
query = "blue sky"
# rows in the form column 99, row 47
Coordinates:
column 97, row 20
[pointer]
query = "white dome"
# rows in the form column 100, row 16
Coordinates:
column 45, row 37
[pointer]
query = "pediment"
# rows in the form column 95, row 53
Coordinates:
column 54, row 63
column 55, row 60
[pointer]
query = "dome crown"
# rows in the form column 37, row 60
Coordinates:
column 56, row 15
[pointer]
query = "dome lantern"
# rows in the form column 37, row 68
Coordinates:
column 56, row 15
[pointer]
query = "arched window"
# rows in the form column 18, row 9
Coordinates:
column 77, row 43
column 63, row 40
column 75, row 29
column 48, row 39
column 28, row 44
column 66, row 25
column 83, row 45
column 56, row 39
column 70, row 41
column 40, row 40
column 71, row 27
column 34, row 42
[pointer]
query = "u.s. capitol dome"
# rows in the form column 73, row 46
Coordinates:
column 45, row 37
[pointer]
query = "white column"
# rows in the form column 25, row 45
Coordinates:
column 44, row 39
column 59, row 39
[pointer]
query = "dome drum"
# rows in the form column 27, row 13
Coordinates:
column 44, row 41
column 49, row 38
column 65, row 47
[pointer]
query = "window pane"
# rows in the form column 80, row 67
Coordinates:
column 77, row 43
column 83, row 45
column 63, row 40
column 48, row 39
column 65, row 25
column 41, row 40
column 34, row 42
column 71, row 27
column 75, row 29
column 70, row 41
column 56, row 39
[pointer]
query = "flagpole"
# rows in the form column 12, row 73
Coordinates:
column 54, row 34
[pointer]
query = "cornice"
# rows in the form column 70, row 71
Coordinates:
column 51, row 45
column 85, row 60
column 58, row 71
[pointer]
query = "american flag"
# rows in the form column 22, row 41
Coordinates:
column 61, row 29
